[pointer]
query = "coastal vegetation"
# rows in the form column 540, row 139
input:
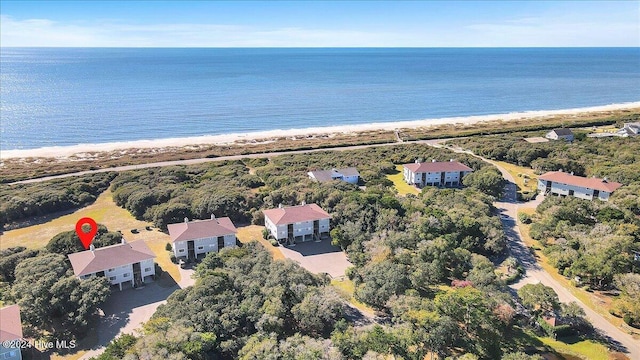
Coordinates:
column 241, row 189
column 593, row 243
column 53, row 301
column 25, row 201
column 21, row 169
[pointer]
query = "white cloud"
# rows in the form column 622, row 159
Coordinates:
column 526, row 31
column 42, row 32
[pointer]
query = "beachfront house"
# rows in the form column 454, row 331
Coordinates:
column 629, row 129
column 350, row 175
column 121, row 263
column 564, row 184
column 10, row 331
column 193, row 238
column 435, row 173
column 560, row 134
column 298, row 223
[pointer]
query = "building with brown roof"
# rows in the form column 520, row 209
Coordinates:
column 10, row 330
column 191, row 239
column 350, row 175
column 121, row 263
column 435, row 173
column 564, row 184
column 297, row 223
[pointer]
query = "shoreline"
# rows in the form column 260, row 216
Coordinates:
column 268, row 135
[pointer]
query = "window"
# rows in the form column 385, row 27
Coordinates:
column 125, row 275
column 200, row 247
column 147, row 269
column 181, row 250
column 112, row 278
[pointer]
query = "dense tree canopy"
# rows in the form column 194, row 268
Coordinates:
column 24, row 201
column 52, row 299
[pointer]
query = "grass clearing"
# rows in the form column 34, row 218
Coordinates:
column 521, row 175
column 586, row 349
column 103, row 211
column 249, row 233
column 347, row 289
column 401, row 186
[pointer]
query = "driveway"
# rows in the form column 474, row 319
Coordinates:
column 127, row 310
column 618, row 339
column 318, row 257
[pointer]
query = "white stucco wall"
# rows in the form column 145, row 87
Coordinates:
column 433, row 177
column 202, row 246
column 299, row 229
column 579, row 192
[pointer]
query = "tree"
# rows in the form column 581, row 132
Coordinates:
column 487, row 180
column 539, row 298
column 118, row 347
column 68, row 242
column 48, row 293
column 318, row 311
column 473, row 310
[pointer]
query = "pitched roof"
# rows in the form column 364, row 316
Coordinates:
column 437, row 166
column 10, row 323
column 328, row 175
column 295, row 214
column 199, row 229
column 108, row 257
column 590, row 183
column 562, row 131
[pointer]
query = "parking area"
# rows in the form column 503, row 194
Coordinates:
column 318, row 257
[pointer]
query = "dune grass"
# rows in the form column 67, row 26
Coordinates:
column 401, row 186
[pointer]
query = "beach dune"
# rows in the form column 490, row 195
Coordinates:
column 265, row 136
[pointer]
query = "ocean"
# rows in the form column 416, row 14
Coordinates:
column 70, row 96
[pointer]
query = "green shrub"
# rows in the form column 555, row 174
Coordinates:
column 524, row 218
column 274, row 242
column 627, row 319
column 168, row 247
column 173, row 259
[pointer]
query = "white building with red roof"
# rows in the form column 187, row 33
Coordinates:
column 10, row 332
column 192, row 238
column 561, row 183
column 297, row 223
column 435, row 173
column 121, row 263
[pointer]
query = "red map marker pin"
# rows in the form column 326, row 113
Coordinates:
column 86, row 237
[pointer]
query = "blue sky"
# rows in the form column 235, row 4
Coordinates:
column 319, row 24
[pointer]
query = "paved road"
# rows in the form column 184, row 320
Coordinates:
column 220, row 158
column 127, row 310
column 508, row 205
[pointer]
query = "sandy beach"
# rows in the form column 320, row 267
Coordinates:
column 266, row 136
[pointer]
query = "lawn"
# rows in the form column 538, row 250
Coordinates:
column 587, row 349
column 521, row 175
column 103, row 211
column 400, row 185
column 249, row 233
